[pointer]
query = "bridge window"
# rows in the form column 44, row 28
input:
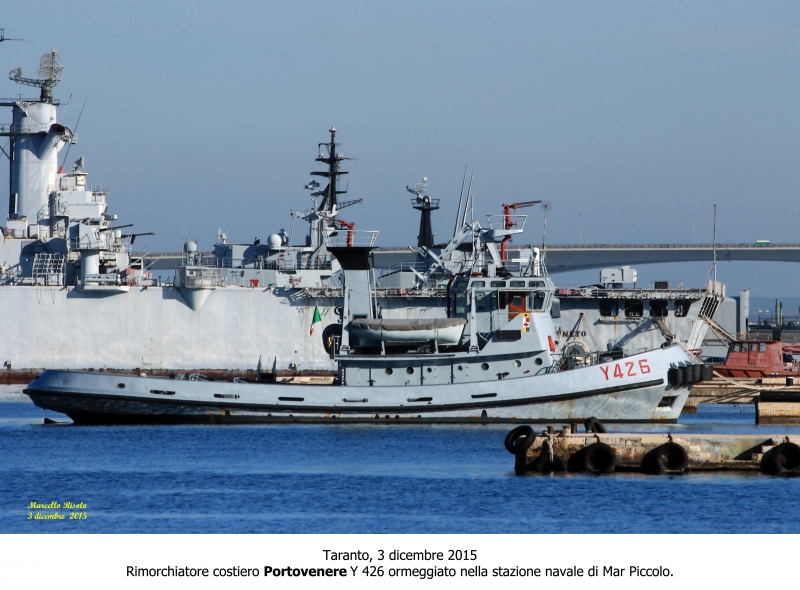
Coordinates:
column 517, row 283
column 536, row 283
column 478, row 283
column 682, row 307
column 658, row 309
column 609, row 308
column 498, row 283
column 634, row 308
column 536, row 300
column 461, row 303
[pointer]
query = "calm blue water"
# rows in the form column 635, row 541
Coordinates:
column 357, row 479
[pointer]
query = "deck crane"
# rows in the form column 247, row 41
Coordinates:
column 509, row 223
column 349, row 226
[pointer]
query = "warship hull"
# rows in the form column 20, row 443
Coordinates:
column 153, row 329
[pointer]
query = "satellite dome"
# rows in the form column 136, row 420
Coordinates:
column 274, row 242
column 190, row 246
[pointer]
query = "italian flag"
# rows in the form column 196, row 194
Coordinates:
column 316, row 320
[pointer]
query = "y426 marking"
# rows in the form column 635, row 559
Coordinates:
column 626, row 369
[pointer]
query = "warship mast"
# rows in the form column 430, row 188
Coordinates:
column 425, row 205
column 333, row 160
column 323, row 216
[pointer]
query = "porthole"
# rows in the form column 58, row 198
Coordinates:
column 429, row 369
column 460, row 368
column 121, row 385
column 389, row 371
column 485, row 366
column 538, row 361
column 517, row 364
column 410, row 370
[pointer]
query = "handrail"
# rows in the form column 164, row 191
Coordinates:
column 670, row 246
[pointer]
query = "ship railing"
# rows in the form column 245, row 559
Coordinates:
column 15, row 129
column 596, row 293
column 6, row 101
column 424, row 202
column 566, row 362
column 383, row 271
column 100, row 190
column 315, row 263
column 498, row 222
column 350, row 238
column 108, row 279
column 412, row 292
column 198, row 277
column 787, row 337
column 720, row 246
column 530, row 266
column 103, row 242
column 490, row 325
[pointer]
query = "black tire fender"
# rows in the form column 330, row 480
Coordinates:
column 670, row 457
column 519, row 440
column 594, row 425
column 543, row 464
column 599, row 458
column 783, row 459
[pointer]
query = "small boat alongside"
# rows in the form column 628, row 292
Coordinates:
column 759, row 359
column 494, row 358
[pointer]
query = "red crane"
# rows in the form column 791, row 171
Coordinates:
column 349, row 226
column 509, row 223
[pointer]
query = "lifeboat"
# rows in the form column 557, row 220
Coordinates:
column 445, row 331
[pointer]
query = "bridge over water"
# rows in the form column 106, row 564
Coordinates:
column 571, row 257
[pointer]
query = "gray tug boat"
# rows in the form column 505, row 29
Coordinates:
column 492, row 359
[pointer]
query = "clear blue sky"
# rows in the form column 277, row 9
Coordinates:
column 635, row 115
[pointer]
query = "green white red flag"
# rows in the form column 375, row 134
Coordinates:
column 316, row 320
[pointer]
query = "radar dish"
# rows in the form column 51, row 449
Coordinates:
column 50, row 66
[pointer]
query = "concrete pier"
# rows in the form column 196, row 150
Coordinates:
column 777, row 399
column 778, row 408
column 652, row 453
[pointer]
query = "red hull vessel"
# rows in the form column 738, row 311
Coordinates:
column 758, row 359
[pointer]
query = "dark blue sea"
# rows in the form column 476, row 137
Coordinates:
column 357, row 479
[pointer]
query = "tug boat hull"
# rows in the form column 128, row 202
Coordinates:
column 641, row 394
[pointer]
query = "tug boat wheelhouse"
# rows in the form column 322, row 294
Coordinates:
column 492, row 359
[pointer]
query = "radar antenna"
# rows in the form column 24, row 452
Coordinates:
column 50, row 70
